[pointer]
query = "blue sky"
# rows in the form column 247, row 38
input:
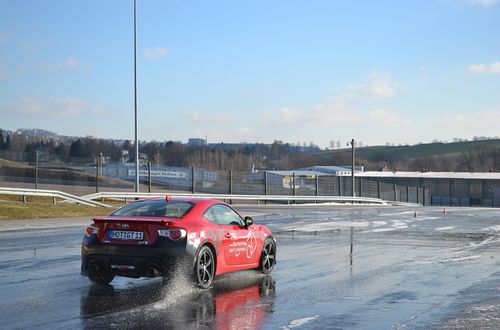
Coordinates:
column 254, row 71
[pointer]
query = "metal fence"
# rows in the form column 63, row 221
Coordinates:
column 84, row 178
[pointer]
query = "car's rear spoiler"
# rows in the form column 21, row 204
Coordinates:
column 156, row 220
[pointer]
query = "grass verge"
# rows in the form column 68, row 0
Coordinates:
column 14, row 211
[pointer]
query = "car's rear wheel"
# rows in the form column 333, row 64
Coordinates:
column 98, row 274
column 205, row 267
column 268, row 257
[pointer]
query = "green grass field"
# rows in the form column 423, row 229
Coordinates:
column 12, row 208
column 15, row 211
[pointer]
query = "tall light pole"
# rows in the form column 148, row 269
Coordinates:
column 135, row 102
column 353, row 168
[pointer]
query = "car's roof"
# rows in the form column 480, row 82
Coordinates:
column 182, row 199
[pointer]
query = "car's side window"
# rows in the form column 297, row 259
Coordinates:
column 209, row 214
column 224, row 215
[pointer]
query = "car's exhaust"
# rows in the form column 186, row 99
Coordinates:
column 152, row 271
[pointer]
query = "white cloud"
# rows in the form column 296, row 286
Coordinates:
column 245, row 131
column 67, row 64
column 477, row 3
column 483, row 3
column 389, row 119
column 49, row 106
column 288, row 116
column 379, row 85
column 230, row 135
column 476, row 120
column 207, row 117
column 325, row 114
column 155, row 53
column 340, row 108
column 491, row 68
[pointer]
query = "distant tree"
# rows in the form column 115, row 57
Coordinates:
column 174, row 154
column 5, row 142
column 16, row 142
column 2, row 141
column 423, row 164
column 76, row 149
column 277, row 149
column 445, row 164
column 467, row 160
column 481, row 153
column 60, row 151
column 495, row 160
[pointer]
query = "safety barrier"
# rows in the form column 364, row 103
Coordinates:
column 91, row 200
column 338, row 199
column 50, row 193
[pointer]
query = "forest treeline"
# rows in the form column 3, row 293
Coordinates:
column 476, row 157
column 87, row 150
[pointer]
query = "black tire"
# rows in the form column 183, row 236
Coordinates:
column 268, row 256
column 204, row 269
column 97, row 274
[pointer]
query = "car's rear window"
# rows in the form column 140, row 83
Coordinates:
column 155, row 208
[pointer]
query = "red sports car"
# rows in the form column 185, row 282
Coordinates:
column 151, row 237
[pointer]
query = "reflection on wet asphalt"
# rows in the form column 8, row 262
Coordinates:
column 237, row 301
column 360, row 268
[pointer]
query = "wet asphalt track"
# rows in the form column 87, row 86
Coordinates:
column 338, row 268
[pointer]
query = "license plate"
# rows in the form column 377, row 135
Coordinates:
column 126, row 235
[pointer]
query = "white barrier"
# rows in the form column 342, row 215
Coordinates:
column 90, row 200
column 339, row 199
column 50, row 193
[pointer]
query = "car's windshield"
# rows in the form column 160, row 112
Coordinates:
column 155, row 208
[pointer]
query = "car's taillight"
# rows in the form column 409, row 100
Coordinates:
column 91, row 230
column 173, row 234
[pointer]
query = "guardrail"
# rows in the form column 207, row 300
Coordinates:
column 340, row 199
column 50, row 193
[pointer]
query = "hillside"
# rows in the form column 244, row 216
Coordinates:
column 374, row 154
column 483, row 155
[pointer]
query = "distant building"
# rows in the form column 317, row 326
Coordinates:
column 197, row 142
column 333, row 170
column 298, row 179
column 125, row 156
column 439, row 188
column 305, row 178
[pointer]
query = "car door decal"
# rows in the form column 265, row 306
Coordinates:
column 251, row 244
column 248, row 245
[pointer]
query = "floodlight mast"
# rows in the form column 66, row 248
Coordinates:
column 353, row 167
column 136, row 142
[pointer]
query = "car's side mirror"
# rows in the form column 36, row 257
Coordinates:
column 248, row 222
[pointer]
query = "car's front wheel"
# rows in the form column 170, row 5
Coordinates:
column 268, row 257
column 98, row 274
column 205, row 267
